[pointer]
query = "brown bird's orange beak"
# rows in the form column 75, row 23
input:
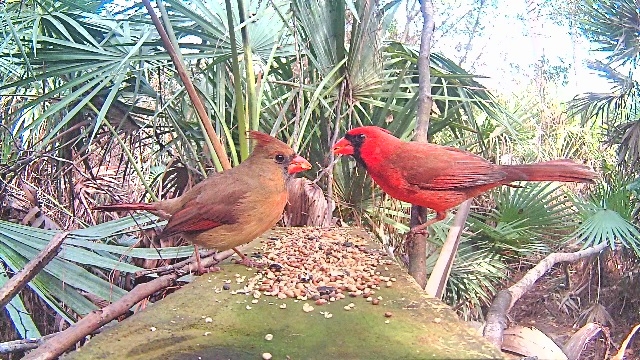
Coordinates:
column 298, row 164
column 343, row 147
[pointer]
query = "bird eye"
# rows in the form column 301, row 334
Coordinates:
column 361, row 136
column 279, row 158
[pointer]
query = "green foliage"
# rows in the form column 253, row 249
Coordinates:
column 525, row 221
column 83, row 265
column 613, row 27
column 607, row 215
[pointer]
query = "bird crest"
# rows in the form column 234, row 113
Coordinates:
column 266, row 141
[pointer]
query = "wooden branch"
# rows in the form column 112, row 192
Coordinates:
column 504, row 301
column 64, row 340
column 442, row 269
column 191, row 90
column 20, row 280
column 188, row 265
column 417, row 244
column 526, row 283
column 30, row 344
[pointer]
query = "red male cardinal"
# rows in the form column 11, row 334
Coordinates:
column 234, row 207
column 440, row 177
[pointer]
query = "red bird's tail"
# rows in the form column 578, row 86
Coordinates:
column 556, row 170
column 125, row 207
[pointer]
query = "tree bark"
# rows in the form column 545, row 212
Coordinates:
column 417, row 245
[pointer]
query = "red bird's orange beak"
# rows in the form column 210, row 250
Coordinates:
column 343, row 147
column 298, row 164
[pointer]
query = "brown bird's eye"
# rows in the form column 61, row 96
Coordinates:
column 361, row 136
column 279, row 158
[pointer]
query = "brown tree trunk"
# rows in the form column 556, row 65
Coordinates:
column 417, row 245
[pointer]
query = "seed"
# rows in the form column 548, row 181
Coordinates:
column 283, row 306
column 307, row 308
column 268, row 337
column 208, row 320
column 388, row 314
column 226, row 286
column 321, row 302
column 267, row 356
column 375, row 301
column 347, row 308
column 254, row 301
column 389, row 283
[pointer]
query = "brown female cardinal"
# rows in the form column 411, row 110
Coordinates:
column 234, row 207
column 440, row 177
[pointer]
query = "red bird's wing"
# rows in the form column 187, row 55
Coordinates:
column 446, row 168
column 206, row 212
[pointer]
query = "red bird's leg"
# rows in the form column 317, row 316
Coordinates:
column 420, row 229
column 246, row 261
column 200, row 270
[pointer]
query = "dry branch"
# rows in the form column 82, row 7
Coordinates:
column 30, row 344
column 207, row 260
column 20, row 280
column 191, row 90
column 442, row 269
column 504, row 301
column 57, row 345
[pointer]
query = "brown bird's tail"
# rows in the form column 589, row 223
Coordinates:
column 555, row 170
column 125, row 207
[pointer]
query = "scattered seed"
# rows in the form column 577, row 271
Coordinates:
column 248, row 307
column 268, row 337
column 255, row 301
column 437, row 320
column 375, row 301
column 208, row 320
column 207, row 333
column 347, row 308
column 283, row 306
column 389, row 283
column 307, row 308
column 153, row 328
column 226, row 286
column 387, row 321
column 388, row 314
column 267, row 356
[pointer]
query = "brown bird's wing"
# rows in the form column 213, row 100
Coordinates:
column 207, row 211
column 435, row 167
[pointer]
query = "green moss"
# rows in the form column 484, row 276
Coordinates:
column 419, row 328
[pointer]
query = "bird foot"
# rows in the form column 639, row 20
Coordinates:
column 416, row 231
column 248, row 262
column 205, row 270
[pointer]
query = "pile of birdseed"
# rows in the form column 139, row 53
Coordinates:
column 320, row 265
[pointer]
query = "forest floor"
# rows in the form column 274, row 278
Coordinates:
column 560, row 312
